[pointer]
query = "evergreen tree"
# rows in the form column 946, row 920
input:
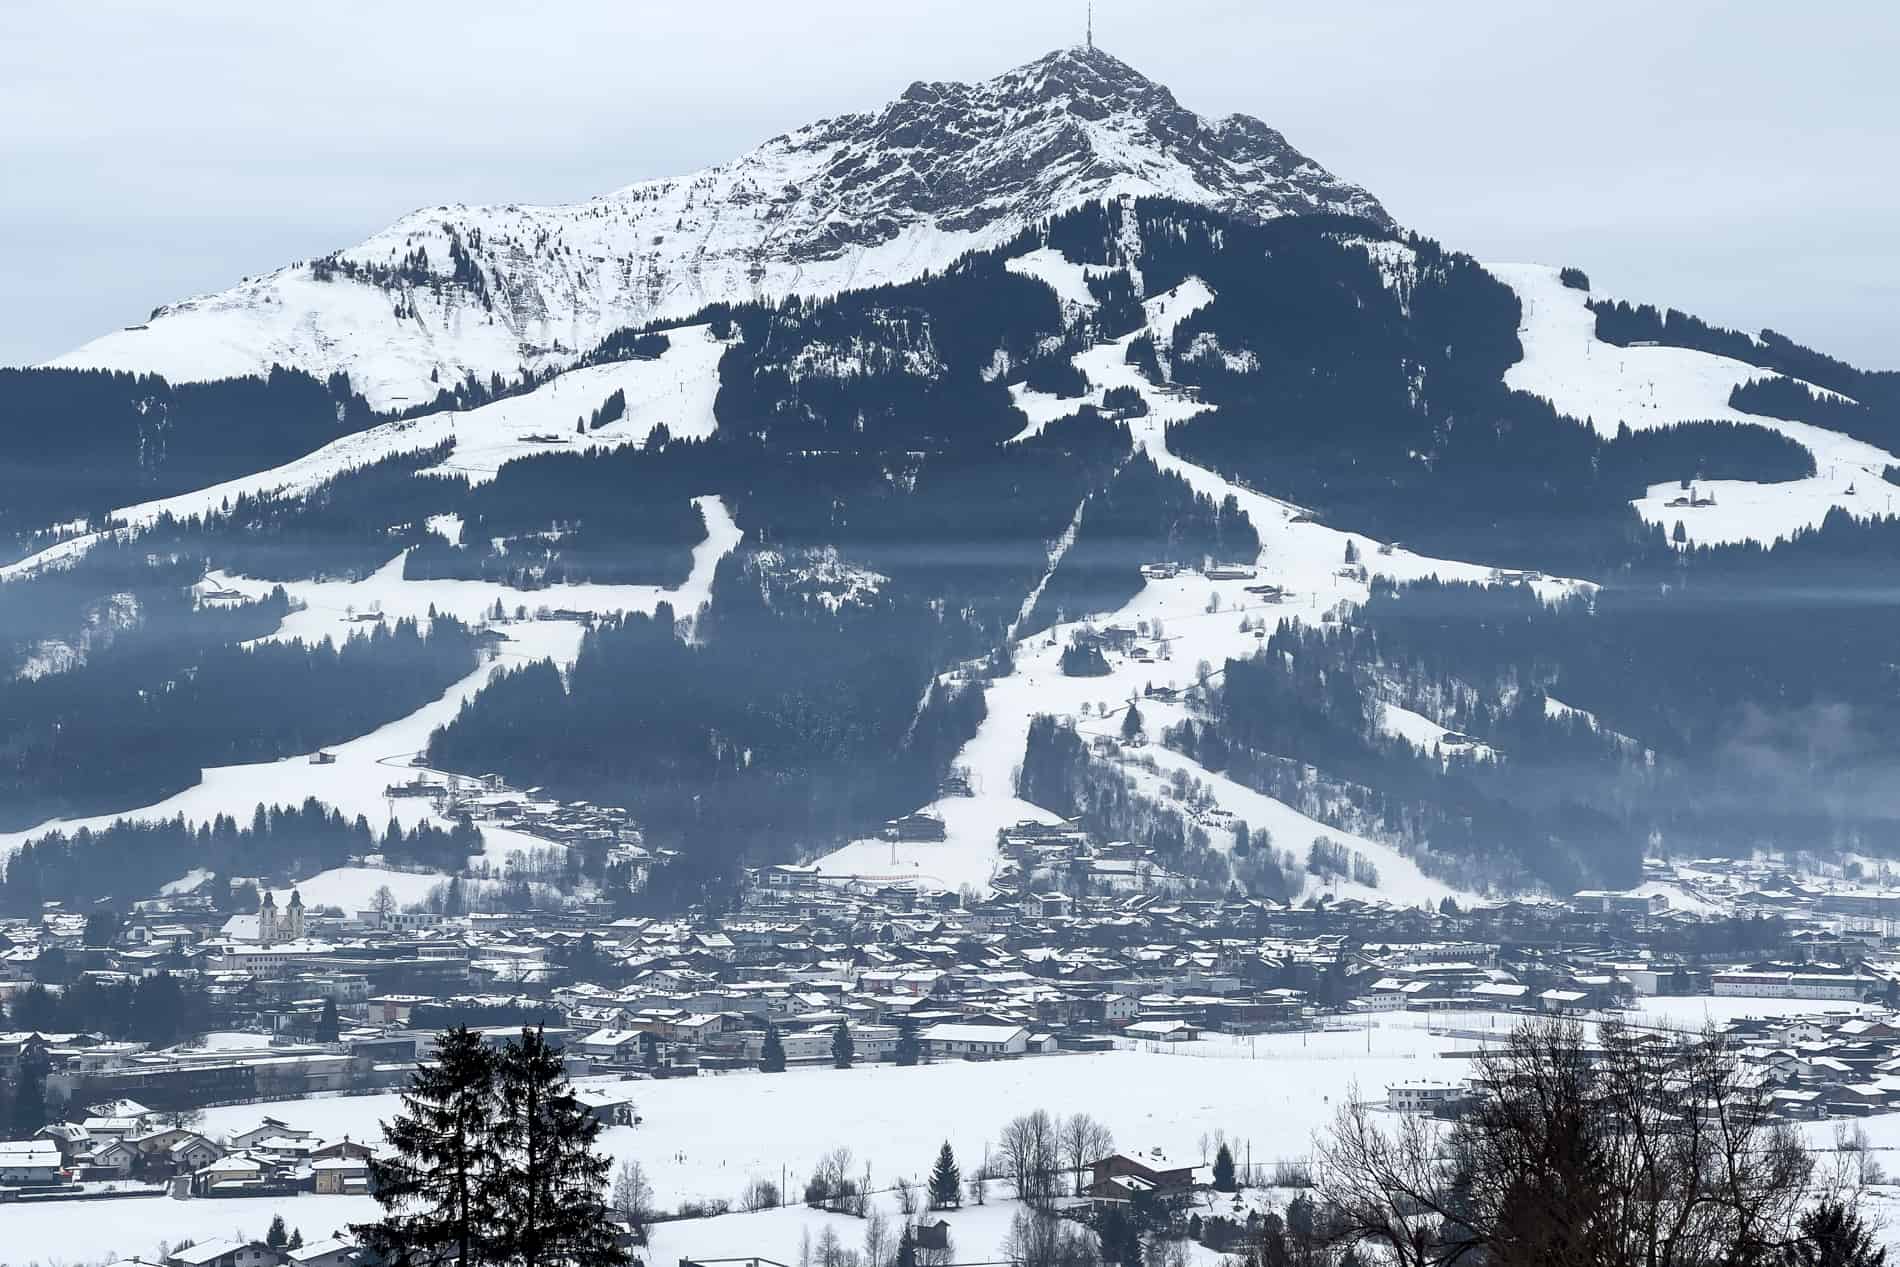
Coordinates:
column 279, row 1235
column 909, row 1049
column 843, row 1050
column 545, row 1178
column 946, row 1184
column 772, row 1055
column 906, row 1248
column 1832, row 1234
column 1224, row 1169
column 434, row 1188
column 329, row 1025
column 29, row 1091
column 1121, row 1237
column 1131, row 724
column 296, row 1238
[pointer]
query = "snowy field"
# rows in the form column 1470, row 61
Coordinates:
column 1644, row 387
column 58, row 1233
column 1694, row 1012
column 707, row 1138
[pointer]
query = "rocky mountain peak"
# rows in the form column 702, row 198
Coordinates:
column 856, row 200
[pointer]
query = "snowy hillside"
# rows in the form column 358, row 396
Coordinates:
column 1204, row 619
column 355, row 781
column 848, row 202
column 675, row 390
column 1644, row 387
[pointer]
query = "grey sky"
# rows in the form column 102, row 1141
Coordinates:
column 1733, row 159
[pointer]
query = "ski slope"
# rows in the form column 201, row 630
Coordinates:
column 354, row 784
column 1202, row 621
column 676, row 389
column 1644, row 387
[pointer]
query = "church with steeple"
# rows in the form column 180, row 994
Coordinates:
column 270, row 928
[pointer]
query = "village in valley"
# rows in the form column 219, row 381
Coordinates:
column 1205, row 1039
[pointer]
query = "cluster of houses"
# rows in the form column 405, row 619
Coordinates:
column 1808, row 1067
column 110, row 1148
column 1112, row 954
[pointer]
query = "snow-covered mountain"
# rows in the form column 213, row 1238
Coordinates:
column 847, row 202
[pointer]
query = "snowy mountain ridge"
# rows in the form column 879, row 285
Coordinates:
column 853, row 201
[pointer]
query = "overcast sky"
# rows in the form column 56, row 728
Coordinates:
column 1736, row 159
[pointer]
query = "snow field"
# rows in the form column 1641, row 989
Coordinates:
column 1053, row 269
column 1566, row 364
column 708, row 1137
column 70, row 1232
column 1422, row 732
column 676, row 389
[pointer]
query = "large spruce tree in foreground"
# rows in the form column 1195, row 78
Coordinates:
column 434, row 1188
column 493, row 1163
column 548, row 1181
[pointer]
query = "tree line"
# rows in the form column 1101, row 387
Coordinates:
column 129, row 859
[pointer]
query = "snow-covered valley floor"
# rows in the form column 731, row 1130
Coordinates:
column 707, row 1138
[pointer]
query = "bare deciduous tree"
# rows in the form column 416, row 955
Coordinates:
column 1084, row 1141
column 633, row 1194
column 1634, row 1151
column 877, row 1238
column 1031, row 1156
column 760, row 1194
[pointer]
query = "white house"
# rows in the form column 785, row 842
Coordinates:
column 225, row 1252
column 1174, row 1031
column 26, row 1161
column 1421, row 1095
column 983, row 1041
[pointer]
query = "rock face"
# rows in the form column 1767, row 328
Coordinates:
column 859, row 200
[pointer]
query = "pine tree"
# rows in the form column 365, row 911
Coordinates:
column 29, row 1091
column 1224, row 1169
column 1131, row 724
column 1832, row 1234
column 843, row 1050
column 329, row 1026
column 946, row 1184
column 546, row 1179
column 296, row 1238
column 772, row 1055
column 279, row 1235
column 908, row 1048
column 906, row 1248
column 433, row 1190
